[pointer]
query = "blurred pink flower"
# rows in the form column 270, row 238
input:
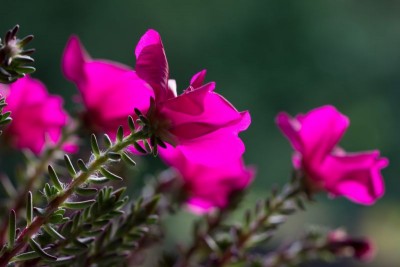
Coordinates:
column 211, row 186
column 109, row 90
column 340, row 243
column 315, row 137
column 202, row 124
column 37, row 115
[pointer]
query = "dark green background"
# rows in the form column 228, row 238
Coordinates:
column 266, row 56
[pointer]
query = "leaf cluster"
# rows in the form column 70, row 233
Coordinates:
column 14, row 59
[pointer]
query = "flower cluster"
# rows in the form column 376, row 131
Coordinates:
column 192, row 124
column 196, row 133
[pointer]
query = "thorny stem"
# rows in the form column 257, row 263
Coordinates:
column 81, row 178
column 317, row 245
column 276, row 203
column 283, row 258
column 212, row 224
column 33, row 175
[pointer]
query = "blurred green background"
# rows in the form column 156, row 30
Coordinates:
column 266, row 56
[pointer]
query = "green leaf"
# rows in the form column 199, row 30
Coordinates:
column 109, row 174
column 98, row 180
column 118, row 193
column 107, row 141
column 5, row 121
column 56, row 218
column 23, row 42
column 147, row 146
column 137, row 112
column 54, row 178
column 25, row 69
column 95, row 145
column 152, row 219
column 120, row 134
column 66, row 228
column 78, row 205
column 139, row 148
column 127, row 159
column 47, row 190
column 25, row 256
column 23, row 59
column 60, row 211
column 35, row 246
column 11, row 229
column 53, row 233
column 114, row 156
column 86, row 191
column 29, row 209
column 82, row 166
column 69, row 165
column 131, row 124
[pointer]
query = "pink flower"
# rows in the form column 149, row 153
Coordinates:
column 315, row 137
column 196, row 122
column 110, row 91
column 201, row 128
column 37, row 115
column 211, row 186
column 340, row 244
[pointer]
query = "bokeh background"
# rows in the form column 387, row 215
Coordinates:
column 266, row 56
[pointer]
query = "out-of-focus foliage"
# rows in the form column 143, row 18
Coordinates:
column 265, row 56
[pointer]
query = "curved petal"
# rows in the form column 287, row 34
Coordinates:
column 110, row 91
column 356, row 176
column 201, row 112
column 213, row 149
column 321, row 130
column 198, row 79
column 152, row 65
column 290, row 127
column 73, row 59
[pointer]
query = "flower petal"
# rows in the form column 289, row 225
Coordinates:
column 110, row 91
column 198, row 79
column 290, row 127
column 214, row 149
column 73, row 59
column 356, row 176
column 321, row 130
column 201, row 112
column 152, row 64
column 36, row 114
column 210, row 186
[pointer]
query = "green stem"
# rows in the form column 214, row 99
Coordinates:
column 80, row 178
column 31, row 181
column 198, row 241
column 274, row 207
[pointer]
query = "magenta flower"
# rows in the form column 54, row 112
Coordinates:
column 37, row 115
column 315, row 137
column 210, row 186
column 109, row 90
column 201, row 128
column 197, row 121
column 340, row 244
